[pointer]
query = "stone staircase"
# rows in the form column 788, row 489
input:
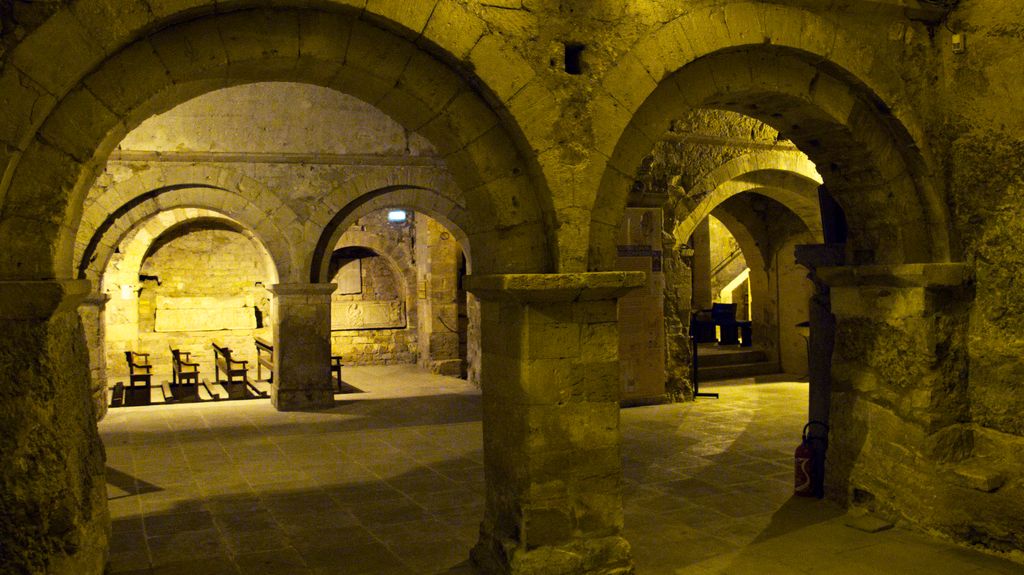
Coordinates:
column 715, row 363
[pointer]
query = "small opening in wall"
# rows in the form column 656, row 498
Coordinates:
column 574, row 58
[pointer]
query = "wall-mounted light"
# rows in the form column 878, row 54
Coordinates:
column 126, row 291
column 397, row 216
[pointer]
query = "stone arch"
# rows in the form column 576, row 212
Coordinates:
column 136, row 242
column 88, row 105
column 803, row 76
column 436, row 205
column 789, row 179
column 109, row 234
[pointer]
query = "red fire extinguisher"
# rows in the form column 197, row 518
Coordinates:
column 810, row 468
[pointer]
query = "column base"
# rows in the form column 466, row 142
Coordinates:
column 596, row 556
column 302, row 399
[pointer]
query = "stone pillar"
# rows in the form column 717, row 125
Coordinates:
column 701, row 244
column 899, row 409
column 53, row 499
column 437, row 262
column 91, row 312
column 302, row 347
column 820, row 346
column 550, row 375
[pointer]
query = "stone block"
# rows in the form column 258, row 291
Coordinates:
column 25, row 104
column 79, row 124
column 546, row 526
column 192, row 50
column 537, row 118
column 411, row 16
column 109, row 23
column 465, row 119
column 549, row 381
column 633, row 146
column 629, row 82
column 43, row 167
column 453, row 27
column 553, row 341
column 58, row 53
column 599, row 342
column 502, row 69
column 378, row 52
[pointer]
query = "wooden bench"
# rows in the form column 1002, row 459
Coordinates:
column 264, row 347
column 236, row 373
column 264, row 358
column 140, row 379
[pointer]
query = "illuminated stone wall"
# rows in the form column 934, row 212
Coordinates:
column 198, row 284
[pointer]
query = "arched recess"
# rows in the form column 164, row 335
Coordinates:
column 394, row 343
column 436, row 205
column 789, row 179
column 157, row 68
column 823, row 91
column 119, row 275
column 110, row 233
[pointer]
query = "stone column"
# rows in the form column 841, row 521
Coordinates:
column 899, row 409
column 437, row 258
column 550, row 378
column 91, row 312
column 701, row 244
column 302, row 347
column 53, row 499
column 820, row 345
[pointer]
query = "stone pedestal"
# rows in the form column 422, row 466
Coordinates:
column 550, row 377
column 701, row 244
column 91, row 311
column 302, row 347
column 53, row 500
column 899, row 402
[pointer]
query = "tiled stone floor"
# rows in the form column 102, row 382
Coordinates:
column 390, row 481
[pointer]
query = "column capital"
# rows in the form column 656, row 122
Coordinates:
column 40, row 299
column 937, row 275
column 552, row 288
column 97, row 300
column 303, row 289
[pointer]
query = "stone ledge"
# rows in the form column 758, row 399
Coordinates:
column 951, row 274
column 302, row 289
column 550, row 288
column 41, row 299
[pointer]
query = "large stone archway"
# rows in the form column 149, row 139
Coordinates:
column 118, row 65
column 846, row 115
column 849, row 113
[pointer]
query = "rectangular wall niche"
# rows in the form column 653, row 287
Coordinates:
column 204, row 313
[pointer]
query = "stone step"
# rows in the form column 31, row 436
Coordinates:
column 730, row 357
column 711, row 373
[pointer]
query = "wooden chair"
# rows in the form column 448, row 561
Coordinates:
column 139, row 369
column 264, row 358
column 183, row 370
column 140, row 379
